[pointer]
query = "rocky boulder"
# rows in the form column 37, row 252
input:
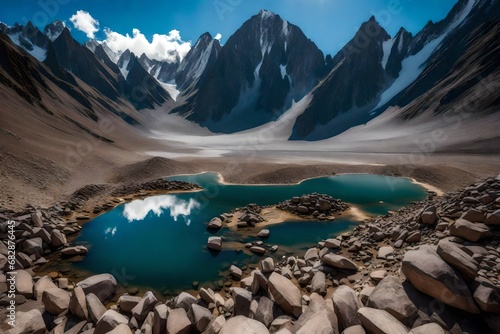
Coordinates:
column 103, row 286
column 201, row 317
column 24, row 283
column 428, row 216
column 456, row 257
column 126, row 303
column 29, row 322
column 94, row 307
column 178, row 322
column 44, row 283
column 184, row 300
column 338, row 261
column 55, row 300
column 469, row 231
column 431, row 275
column 215, row 224
column 240, row 324
column 235, row 272
column 73, row 251
column 493, row 218
column 160, row 316
column 430, row 328
column 380, row 322
column 318, row 283
column 347, row 305
column 146, row 305
column 109, row 321
column 242, row 299
column 264, row 233
column 214, row 243
column 286, row 294
column 389, row 295
column 318, row 318
column 78, row 304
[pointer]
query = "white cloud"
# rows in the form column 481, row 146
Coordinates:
column 218, row 36
column 139, row 209
column 162, row 47
column 83, row 21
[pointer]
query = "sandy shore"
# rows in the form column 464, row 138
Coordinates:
column 31, row 181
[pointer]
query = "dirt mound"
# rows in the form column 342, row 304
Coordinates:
column 150, row 169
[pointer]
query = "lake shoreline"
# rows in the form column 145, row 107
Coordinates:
column 273, row 216
column 376, row 253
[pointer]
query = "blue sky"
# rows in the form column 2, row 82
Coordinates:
column 329, row 23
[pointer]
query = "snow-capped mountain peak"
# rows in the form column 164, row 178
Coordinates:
column 28, row 38
column 54, row 29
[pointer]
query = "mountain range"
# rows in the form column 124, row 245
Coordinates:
column 261, row 73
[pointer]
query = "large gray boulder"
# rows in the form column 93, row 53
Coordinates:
column 103, row 286
column 428, row 216
column 33, row 246
column 121, row 329
column 184, row 300
column 487, row 296
column 36, row 219
column 469, row 231
column 338, row 261
column 215, row 326
column 178, row 322
column 242, row 299
column 201, row 317
column 214, row 224
column 73, row 251
column 146, row 305
column 243, row 325
column 24, row 283
column 358, row 329
column 318, row 283
column 109, row 321
column 214, row 243
column 346, row 304
column 57, row 238
column 389, row 295
column 160, row 316
column 318, row 318
column 265, row 311
column 430, row 274
column 126, row 303
column 380, row 322
column 95, row 308
column 43, row 284
column 493, row 218
column 78, row 304
column 456, row 257
column 55, row 300
column 28, row 322
column 430, row 328
column 474, row 215
column 286, row 294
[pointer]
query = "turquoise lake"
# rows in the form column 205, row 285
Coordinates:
column 160, row 242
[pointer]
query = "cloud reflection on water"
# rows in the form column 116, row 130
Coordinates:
column 139, row 209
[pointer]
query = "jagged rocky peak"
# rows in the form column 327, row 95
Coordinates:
column 396, row 50
column 262, row 68
column 29, row 38
column 357, row 78
column 92, row 45
column 124, row 62
column 433, row 30
column 203, row 53
column 54, row 29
